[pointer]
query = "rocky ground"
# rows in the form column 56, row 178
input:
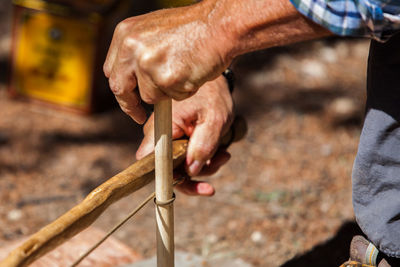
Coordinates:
column 284, row 199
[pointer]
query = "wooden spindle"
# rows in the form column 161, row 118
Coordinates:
column 163, row 183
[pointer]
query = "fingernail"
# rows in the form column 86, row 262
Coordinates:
column 205, row 189
column 189, row 160
column 195, row 167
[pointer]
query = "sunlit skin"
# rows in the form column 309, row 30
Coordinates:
column 174, row 52
column 203, row 119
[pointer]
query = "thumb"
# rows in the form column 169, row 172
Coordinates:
column 202, row 145
column 147, row 145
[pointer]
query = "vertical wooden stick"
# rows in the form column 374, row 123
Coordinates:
column 163, row 180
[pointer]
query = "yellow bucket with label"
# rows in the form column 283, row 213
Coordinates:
column 58, row 50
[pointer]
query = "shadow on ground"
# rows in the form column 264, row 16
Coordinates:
column 255, row 100
column 331, row 253
column 254, row 61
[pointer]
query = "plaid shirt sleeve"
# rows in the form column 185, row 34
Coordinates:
column 378, row 19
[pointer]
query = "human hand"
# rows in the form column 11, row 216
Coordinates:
column 204, row 118
column 166, row 53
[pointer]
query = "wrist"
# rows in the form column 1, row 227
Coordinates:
column 221, row 29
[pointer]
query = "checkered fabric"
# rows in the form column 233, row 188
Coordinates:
column 378, row 19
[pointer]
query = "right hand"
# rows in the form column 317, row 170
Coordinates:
column 204, row 118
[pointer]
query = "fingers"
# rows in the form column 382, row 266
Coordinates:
column 149, row 92
column 130, row 104
column 196, row 188
column 119, row 68
column 147, row 145
column 202, row 145
column 201, row 188
column 212, row 166
column 113, row 49
column 123, row 82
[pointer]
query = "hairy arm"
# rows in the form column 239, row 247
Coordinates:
column 257, row 24
column 172, row 52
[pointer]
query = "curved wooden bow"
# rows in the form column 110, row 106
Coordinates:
column 85, row 213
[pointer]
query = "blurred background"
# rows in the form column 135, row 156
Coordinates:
column 284, row 199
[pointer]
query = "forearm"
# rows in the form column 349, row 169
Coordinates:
column 249, row 25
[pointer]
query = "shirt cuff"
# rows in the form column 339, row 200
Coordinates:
column 338, row 17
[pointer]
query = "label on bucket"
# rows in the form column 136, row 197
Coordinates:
column 54, row 58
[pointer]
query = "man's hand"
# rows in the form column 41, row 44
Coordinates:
column 167, row 53
column 204, row 118
column 172, row 52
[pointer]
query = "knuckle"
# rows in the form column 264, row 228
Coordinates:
column 218, row 120
column 115, row 88
column 169, row 79
column 183, row 92
column 121, row 27
column 106, row 70
column 175, row 91
column 205, row 151
column 151, row 94
column 147, row 59
column 179, row 96
column 128, row 44
column 148, row 98
column 189, row 87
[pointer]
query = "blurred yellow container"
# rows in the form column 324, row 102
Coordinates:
column 58, row 51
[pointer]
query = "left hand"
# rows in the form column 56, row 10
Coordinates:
column 168, row 53
column 204, row 118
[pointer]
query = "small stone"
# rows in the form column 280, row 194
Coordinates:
column 343, row 108
column 325, row 206
column 314, row 69
column 14, row 215
column 212, row 239
column 257, row 237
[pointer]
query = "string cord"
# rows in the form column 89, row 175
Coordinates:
column 118, row 225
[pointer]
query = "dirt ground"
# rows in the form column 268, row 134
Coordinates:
column 284, row 199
